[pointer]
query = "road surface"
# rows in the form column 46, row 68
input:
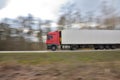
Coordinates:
column 56, row 51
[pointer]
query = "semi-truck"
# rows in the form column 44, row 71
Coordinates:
column 77, row 39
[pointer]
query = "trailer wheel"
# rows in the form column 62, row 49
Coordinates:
column 53, row 48
column 107, row 47
column 96, row 47
column 113, row 47
column 101, row 47
column 74, row 47
column 71, row 47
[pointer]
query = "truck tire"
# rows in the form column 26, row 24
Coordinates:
column 53, row 48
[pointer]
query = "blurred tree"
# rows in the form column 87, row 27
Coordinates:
column 70, row 14
column 47, row 25
column 90, row 16
column 40, row 34
column 109, row 15
column 61, row 22
column 27, row 21
column 40, row 30
column 33, row 25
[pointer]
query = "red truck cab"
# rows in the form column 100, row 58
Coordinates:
column 53, row 40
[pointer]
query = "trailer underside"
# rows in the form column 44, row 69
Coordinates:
column 83, row 46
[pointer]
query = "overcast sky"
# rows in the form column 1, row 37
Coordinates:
column 3, row 3
column 45, row 9
column 94, row 5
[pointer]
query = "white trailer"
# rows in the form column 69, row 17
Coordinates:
column 90, row 37
column 98, row 39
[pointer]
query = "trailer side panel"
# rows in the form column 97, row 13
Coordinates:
column 90, row 37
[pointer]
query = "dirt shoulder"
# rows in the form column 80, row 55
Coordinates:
column 75, row 71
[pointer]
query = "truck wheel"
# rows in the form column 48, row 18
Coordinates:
column 53, row 48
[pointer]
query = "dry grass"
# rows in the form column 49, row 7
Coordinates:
column 60, row 66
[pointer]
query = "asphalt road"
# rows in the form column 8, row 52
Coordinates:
column 57, row 51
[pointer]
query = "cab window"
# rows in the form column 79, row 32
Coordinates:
column 49, row 37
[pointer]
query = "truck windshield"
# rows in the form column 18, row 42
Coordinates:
column 49, row 37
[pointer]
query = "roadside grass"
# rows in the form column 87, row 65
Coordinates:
column 61, row 57
column 98, row 65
